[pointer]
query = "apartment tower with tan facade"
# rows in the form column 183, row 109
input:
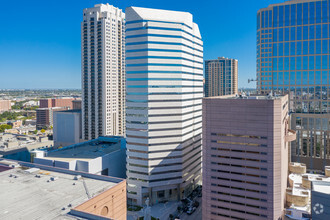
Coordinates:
column 103, row 71
column 221, row 77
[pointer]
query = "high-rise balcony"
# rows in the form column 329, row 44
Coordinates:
column 290, row 135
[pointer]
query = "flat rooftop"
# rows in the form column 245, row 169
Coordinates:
column 322, row 187
column 243, row 97
column 85, row 151
column 34, row 193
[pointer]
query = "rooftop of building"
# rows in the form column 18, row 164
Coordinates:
column 86, row 150
column 248, row 96
column 286, row 2
column 40, row 192
column 220, row 58
column 9, row 141
column 70, row 111
column 321, row 186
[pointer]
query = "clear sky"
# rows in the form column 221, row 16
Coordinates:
column 40, row 39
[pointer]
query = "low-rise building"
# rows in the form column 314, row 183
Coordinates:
column 33, row 191
column 67, row 128
column 45, row 116
column 56, row 102
column 15, row 124
column 5, row 105
column 76, row 104
column 18, row 147
column 104, row 155
column 299, row 192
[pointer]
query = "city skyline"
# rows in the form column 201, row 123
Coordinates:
column 48, row 49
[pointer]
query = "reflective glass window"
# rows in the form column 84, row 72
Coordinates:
column 311, row 47
column 318, row 12
column 318, row 32
column 318, row 62
column 280, row 49
column 266, row 19
column 287, row 15
column 280, row 63
column 305, row 78
column 292, row 63
column 325, row 62
column 311, row 12
column 275, row 64
column 325, row 77
column 292, row 48
column 311, row 62
column 263, row 19
column 305, row 63
column 280, row 78
column 298, row 78
column 324, row 11
column 298, row 64
column 324, row 46
column 305, row 32
column 299, row 14
column 305, row 13
column 286, row 63
column 292, row 78
column 318, row 49
column 318, row 77
column 311, row 77
column 287, row 34
column 275, row 35
column 311, row 32
column 274, row 50
column 293, row 33
column 293, row 15
column 325, row 31
column 299, row 33
column 258, row 21
column 286, row 78
column 305, row 47
column 280, row 16
column 286, row 49
column 275, row 17
column 299, row 48
column 280, row 34
column 270, row 20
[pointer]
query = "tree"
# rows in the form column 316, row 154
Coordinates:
column 35, row 132
column 4, row 127
column 43, row 130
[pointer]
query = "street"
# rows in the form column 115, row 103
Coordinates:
column 197, row 215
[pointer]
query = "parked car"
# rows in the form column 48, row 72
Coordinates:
column 191, row 210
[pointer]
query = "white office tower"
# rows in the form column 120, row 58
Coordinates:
column 103, row 71
column 164, row 56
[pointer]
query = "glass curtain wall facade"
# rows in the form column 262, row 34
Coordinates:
column 293, row 58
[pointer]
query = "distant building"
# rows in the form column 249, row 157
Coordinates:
column 103, row 71
column 5, row 105
column 67, row 128
column 104, row 156
column 43, row 192
column 76, row 104
column 245, row 157
column 164, row 55
column 45, row 116
column 15, row 124
column 58, row 102
column 18, row 146
column 221, row 77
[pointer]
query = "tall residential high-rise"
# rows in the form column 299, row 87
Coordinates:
column 221, row 77
column 103, row 71
column 164, row 56
column 293, row 58
column 245, row 157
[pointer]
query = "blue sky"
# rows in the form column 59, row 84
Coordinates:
column 40, row 40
